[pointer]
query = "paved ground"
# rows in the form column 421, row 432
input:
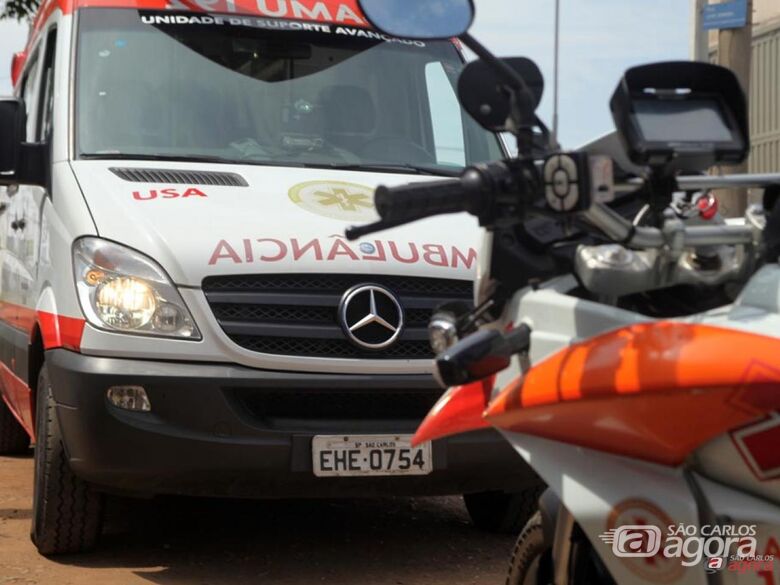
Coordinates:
column 421, row 541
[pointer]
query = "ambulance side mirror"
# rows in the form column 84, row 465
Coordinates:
column 20, row 162
column 12, row 126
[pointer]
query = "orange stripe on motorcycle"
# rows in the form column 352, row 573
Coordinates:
column 653, row 391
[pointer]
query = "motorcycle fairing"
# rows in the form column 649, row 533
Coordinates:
column 735, row 459
column 652, row 391
column 594, row 486
column 458, row 410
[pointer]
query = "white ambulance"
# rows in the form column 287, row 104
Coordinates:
column 180, row 311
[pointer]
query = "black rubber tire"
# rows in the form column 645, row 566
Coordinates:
column 14, row 440
column 532, row 564
column 527, row 557
column 502, row 512
column 67, row 512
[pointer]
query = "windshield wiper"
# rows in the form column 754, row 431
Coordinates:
column 405, row 168
column 186, row 158
column 165, row 157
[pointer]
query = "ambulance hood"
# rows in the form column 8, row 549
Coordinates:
column 201, row 220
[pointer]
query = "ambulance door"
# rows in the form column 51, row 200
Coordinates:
column 14, row 276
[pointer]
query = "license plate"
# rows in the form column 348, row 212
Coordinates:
column 369, row 455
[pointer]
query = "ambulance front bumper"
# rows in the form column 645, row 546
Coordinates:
column 200, row 438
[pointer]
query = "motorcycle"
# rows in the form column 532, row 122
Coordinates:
column 624, row 338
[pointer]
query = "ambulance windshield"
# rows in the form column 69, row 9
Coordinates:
column 257, row 90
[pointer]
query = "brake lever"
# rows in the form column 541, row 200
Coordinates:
column 355, row 232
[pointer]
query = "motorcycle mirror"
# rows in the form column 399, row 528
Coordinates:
column 483, row 93
column 418, row 19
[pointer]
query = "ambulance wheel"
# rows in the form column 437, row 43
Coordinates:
column 13, row 438
column 502, row 512
column 67, row 511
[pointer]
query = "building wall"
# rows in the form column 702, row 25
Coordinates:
column 763, row 10
column 764, row 86
column 765, row 92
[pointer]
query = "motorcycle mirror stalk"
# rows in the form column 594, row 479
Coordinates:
column 447, row 19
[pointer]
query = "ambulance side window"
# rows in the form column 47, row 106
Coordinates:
column 27, row 93
column 46, row 94
column 446, row 120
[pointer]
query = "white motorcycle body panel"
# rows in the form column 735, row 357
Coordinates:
column 558, row 320
column 594, row 486
column 738, row 486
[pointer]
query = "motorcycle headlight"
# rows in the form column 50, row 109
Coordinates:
column 122, row 290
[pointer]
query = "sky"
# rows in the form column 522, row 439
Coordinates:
column 12, row 39
column 599, row 40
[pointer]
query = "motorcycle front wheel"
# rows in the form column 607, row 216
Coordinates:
column 532, row 562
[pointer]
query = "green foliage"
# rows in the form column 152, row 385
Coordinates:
column 19, row 9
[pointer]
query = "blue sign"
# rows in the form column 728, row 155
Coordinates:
column 732, row 14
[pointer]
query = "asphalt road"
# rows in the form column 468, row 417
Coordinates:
column 176, row 541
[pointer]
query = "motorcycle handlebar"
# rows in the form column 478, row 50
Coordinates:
column 472, row 192
column 477, row 188
column 418, row 200
column 623, row 231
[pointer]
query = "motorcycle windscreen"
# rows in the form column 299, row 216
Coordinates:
column 653, row 391
column 459, row 410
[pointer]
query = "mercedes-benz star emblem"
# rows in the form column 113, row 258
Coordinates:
column 371, row 316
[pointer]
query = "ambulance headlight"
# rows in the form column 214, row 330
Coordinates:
column 125, row 302
column 123, row 290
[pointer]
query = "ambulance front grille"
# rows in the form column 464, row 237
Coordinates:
column 297, row 314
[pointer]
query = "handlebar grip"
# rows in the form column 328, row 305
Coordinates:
column 474, row 192
column 418, row 200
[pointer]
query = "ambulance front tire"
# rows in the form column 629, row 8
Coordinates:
column 13, row 438
column 67, row 514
